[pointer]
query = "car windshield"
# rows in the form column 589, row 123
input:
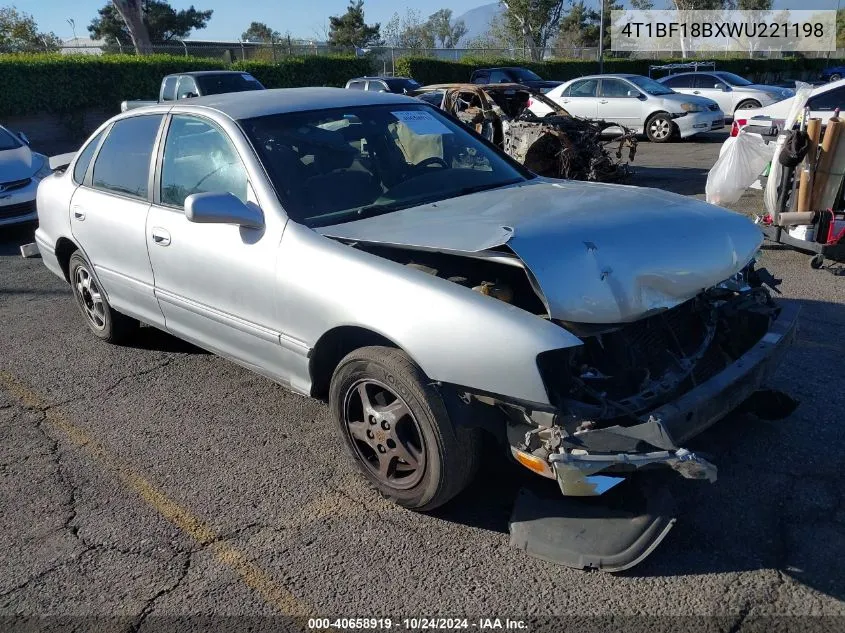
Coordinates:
column 523, row 74
column 234, row 82
column 649, row 85
column 333, row 166
column 398, row 85
column 733, row 80
column 8, row 140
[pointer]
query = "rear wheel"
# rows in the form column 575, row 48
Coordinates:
column 397, row 429
column 835, row 77
column 102, row 319
column 748, row 104
column 660, row 128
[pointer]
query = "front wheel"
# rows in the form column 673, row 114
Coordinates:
column 103, row 321
column 750, row 104
column 397, row 429
column 659, row 128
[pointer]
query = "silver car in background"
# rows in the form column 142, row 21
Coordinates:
column 730, row 91
column 637, row 102
column 368, row 249
column 21, row 170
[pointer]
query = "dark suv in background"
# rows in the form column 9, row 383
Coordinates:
column 513, row 75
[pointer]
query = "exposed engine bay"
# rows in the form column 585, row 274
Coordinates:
column 556, row 146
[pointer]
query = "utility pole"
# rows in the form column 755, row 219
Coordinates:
column 73, row 28
column 601, row 38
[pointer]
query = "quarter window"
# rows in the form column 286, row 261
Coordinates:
column 199, row 158
column 81, row 167
column 169, row 92
column 356, row 85
column 123, row 163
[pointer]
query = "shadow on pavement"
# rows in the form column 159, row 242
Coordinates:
column 778, row 503
column 685, row 181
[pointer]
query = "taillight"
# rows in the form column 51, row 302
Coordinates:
column 737, row 125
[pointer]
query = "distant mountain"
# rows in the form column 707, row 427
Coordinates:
column 478, row 20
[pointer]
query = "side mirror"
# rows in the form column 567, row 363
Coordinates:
column 222, row 208
column 24, row 138
column 723, row 87
column 189, row 95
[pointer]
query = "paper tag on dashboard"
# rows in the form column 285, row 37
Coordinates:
column 421, row 122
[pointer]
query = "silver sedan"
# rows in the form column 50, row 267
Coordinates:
column 367, row 249
column 21, row 170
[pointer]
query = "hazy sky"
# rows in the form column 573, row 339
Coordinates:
column 303, row 18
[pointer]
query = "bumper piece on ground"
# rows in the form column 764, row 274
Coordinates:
column 611, row 533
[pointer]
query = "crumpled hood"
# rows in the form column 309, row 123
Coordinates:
column 599, row 253
column 18, row 163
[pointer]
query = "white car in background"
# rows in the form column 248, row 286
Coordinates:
column 637, row 102
column 730, row 91
column 21, row 170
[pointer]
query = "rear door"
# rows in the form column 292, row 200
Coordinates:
column 581, row 98
column 615, row 103
column 109, row 214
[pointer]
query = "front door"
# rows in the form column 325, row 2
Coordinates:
column 216, row 282
column 109, row 213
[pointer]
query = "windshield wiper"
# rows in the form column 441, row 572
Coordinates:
column 495, row 185
column 367, row 211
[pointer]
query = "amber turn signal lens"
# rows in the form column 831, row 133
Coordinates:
column 533, row 463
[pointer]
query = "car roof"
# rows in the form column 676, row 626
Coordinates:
column 200, row 73
column 380, row 77
column 606, row 76
column 254, row 103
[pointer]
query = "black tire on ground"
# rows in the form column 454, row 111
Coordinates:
column 817, row 261
column 748, row 104
column 835, row 77
column 103, row 320
column 659, row 128
column 404, row 423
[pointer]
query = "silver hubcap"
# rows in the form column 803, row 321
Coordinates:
column 660, row 128
column 385, row 434
column 748, row 106
column 89, row 297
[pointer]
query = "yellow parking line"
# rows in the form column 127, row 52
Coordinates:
column 251, row 574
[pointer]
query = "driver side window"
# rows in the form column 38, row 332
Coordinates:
column 199, row 158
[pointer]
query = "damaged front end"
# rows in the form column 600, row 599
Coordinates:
column 633, row 393
column 555, row 146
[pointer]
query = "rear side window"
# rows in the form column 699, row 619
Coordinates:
column 707, row 81
column 169, row 91
column 376, row 86
column 481, row 78
column 123, row 164
column 356, row 85
column 81, row 167
column 186, row 87
column 585, row 88
column 828, row 101
column 499, row 77
column 679, row 81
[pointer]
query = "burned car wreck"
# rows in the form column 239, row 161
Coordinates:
column 557, row 145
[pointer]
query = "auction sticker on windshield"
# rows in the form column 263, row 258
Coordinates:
column 421, row 122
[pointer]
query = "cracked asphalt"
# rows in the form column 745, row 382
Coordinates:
column 150, row 482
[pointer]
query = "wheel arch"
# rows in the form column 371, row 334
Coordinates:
column 751, row 100
column 64, row 249
column 331, row 348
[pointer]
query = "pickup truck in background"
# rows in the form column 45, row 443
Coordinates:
column 198, row 84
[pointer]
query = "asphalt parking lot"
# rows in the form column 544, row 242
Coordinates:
column 155, row 480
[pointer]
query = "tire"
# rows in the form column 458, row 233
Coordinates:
column 403, row 443
column 659, row 128
column 835, row 77
column 748, row 104
column 817, row 261
column 103, row 321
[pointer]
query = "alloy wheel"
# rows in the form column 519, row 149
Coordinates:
column 386, row 435
column 89, row 297
column 660, row 128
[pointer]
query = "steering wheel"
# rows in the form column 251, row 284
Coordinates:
column 431, row 160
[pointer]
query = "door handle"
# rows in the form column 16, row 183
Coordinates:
column 696, row 92
column 160, row 236
column 78, row 213
column 603, row 101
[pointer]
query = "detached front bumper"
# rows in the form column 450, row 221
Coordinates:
column 657, row 439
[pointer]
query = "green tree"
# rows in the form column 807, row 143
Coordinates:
column 578, row 29
column 260, row 32
column 754, row 5
column 350, row 29
column 535, row 21
column 445, row 32
column 161, row 22
column 19, row 33
column 642, row 5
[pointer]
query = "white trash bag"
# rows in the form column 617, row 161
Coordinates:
column 737, row 168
